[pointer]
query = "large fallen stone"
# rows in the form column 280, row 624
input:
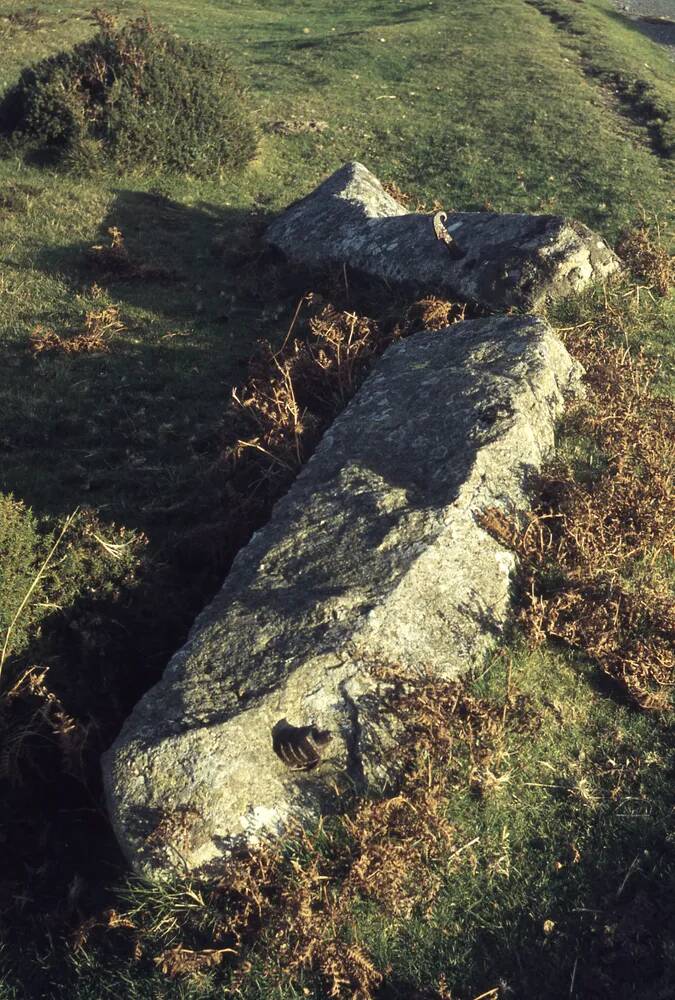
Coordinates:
column 375, row 556
column 507, row 260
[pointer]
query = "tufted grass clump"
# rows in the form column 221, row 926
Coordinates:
column 137, row 96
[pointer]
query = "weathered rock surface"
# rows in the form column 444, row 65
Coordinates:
column 508, row 260
column 375, row 555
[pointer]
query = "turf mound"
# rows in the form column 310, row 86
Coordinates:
column 137, row 96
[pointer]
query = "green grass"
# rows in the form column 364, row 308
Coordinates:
column 467, row 102
column 576, row 832
column 537, row 136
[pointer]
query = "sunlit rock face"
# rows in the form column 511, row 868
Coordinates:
column 496, row 260
column 375, row 556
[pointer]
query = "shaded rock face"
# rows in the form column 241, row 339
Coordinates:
column 375, row 556
column 506, row 259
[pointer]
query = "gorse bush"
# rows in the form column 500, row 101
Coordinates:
column 21, row 548
column 136, row 95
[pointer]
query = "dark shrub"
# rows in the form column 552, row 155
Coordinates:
column 21, row 552
column 137, row 95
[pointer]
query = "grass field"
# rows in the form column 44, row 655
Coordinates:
column 566, row 885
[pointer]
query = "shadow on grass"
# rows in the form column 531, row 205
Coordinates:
column 135, row 435
column 328, row 38
column 136, row 431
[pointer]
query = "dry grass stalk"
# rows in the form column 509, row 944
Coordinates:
column 99, row 326
column 585, row 545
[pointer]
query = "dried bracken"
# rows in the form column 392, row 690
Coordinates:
column 113, row 260
column 293, row 393
column 178, row 960
column 647, row 257
column 69, row 734
column 109, row 920
column 438, row 716
column 296, row 908
column 592, row 544
column 409, row 201
column 434, row 314
column 98, row 329
column 399, row 846
column 294, row 911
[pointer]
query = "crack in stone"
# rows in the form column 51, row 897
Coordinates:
column 355, row 769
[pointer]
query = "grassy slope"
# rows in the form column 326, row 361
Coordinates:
column 462, row 101
column 473, row 119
